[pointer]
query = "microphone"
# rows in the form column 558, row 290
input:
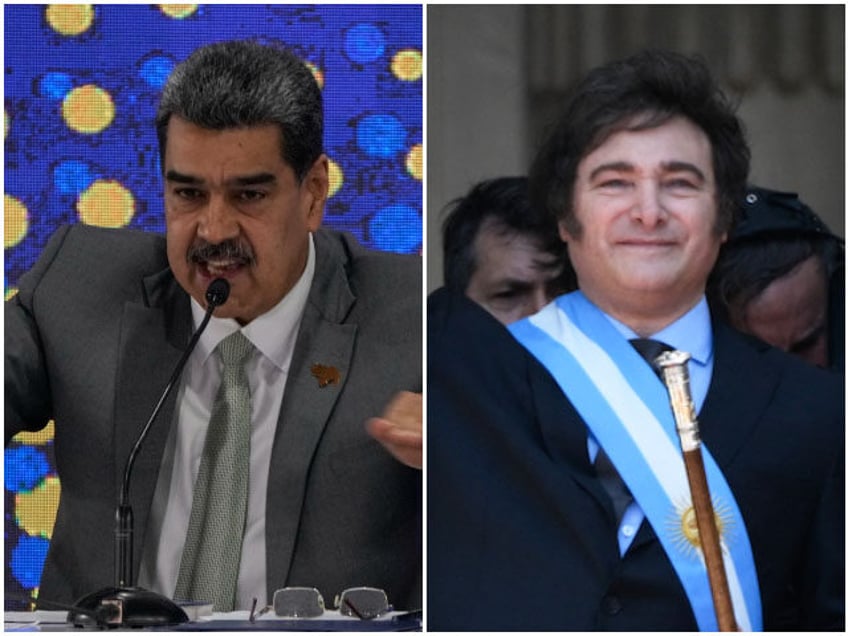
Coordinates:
column 138, row 607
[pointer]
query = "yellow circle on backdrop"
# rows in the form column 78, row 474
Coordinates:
column 38, row 438
column 35, row 511
column 178, row 11
column 415, row 161
column 69, row 19
column 15, row 221
column 88, row 109
column 106, row 203
column 317, row 73
column 11, row 291
column 408, row 65
column 336, row 177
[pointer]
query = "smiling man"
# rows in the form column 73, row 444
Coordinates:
column 561, row 499
column 284, row 476
column 644, row 234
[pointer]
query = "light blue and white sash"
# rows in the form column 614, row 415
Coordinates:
column 627, row 409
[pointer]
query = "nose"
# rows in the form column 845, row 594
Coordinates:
column 648, row 207
column 218, row 222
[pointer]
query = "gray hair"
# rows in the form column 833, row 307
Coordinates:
column 244, row 83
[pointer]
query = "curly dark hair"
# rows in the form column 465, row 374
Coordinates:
column 638, row 93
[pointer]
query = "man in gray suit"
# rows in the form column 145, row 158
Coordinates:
column 334, row 337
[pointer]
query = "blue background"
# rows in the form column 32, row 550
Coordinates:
column 373, row 120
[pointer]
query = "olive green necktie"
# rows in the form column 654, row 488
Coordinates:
column 210, row 562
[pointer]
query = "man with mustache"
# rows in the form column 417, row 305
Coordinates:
column 561, row 499
column 329, row 335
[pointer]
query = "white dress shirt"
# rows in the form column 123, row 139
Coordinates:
column 273, row 335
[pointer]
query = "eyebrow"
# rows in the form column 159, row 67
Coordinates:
column 512, row 285
column 615, row 166
column 684, row 166
column 178, row 177
column 255, row 179
column 247, row 180
column 666, row 166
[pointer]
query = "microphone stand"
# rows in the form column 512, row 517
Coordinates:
column 135, row 606
column 676, row 378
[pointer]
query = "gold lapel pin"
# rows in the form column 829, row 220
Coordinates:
column 326, row 375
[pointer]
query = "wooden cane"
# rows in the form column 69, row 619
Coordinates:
column 675, row 375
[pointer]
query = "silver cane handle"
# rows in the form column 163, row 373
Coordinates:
column 676, row 379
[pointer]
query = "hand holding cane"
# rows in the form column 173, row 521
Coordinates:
column 675, row 376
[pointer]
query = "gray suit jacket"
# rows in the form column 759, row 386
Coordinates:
column 91, row 340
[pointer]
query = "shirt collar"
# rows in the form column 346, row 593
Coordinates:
column 274, row 332
column 692, row 332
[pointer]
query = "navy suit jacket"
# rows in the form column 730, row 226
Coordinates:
column 521, row 535
column 93, row 336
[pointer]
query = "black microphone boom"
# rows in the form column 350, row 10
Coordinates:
column 216, row 295
column 139, row 607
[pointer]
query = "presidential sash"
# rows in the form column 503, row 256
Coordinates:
column 626, row 407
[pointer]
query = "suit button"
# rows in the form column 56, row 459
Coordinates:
column 611, row 605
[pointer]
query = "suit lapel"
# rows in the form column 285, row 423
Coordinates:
column 154, row 333
column 565, row 436
column 740, row 391
column 324, row 339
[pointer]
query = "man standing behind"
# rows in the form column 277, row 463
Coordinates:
column 781, row 277
column 560, row 497
column 503, row 253
column 317, row 336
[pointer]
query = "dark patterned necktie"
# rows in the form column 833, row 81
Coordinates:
column 650, row 350
column 607, row 474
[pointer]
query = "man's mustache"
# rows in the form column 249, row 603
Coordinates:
column 203, row 251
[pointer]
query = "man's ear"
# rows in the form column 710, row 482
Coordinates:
column 317, row 184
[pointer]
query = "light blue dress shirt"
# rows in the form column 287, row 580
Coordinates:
column 692, row 333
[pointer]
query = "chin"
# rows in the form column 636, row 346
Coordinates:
column 649, row 283
column 653, row 272
column 230, row 309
